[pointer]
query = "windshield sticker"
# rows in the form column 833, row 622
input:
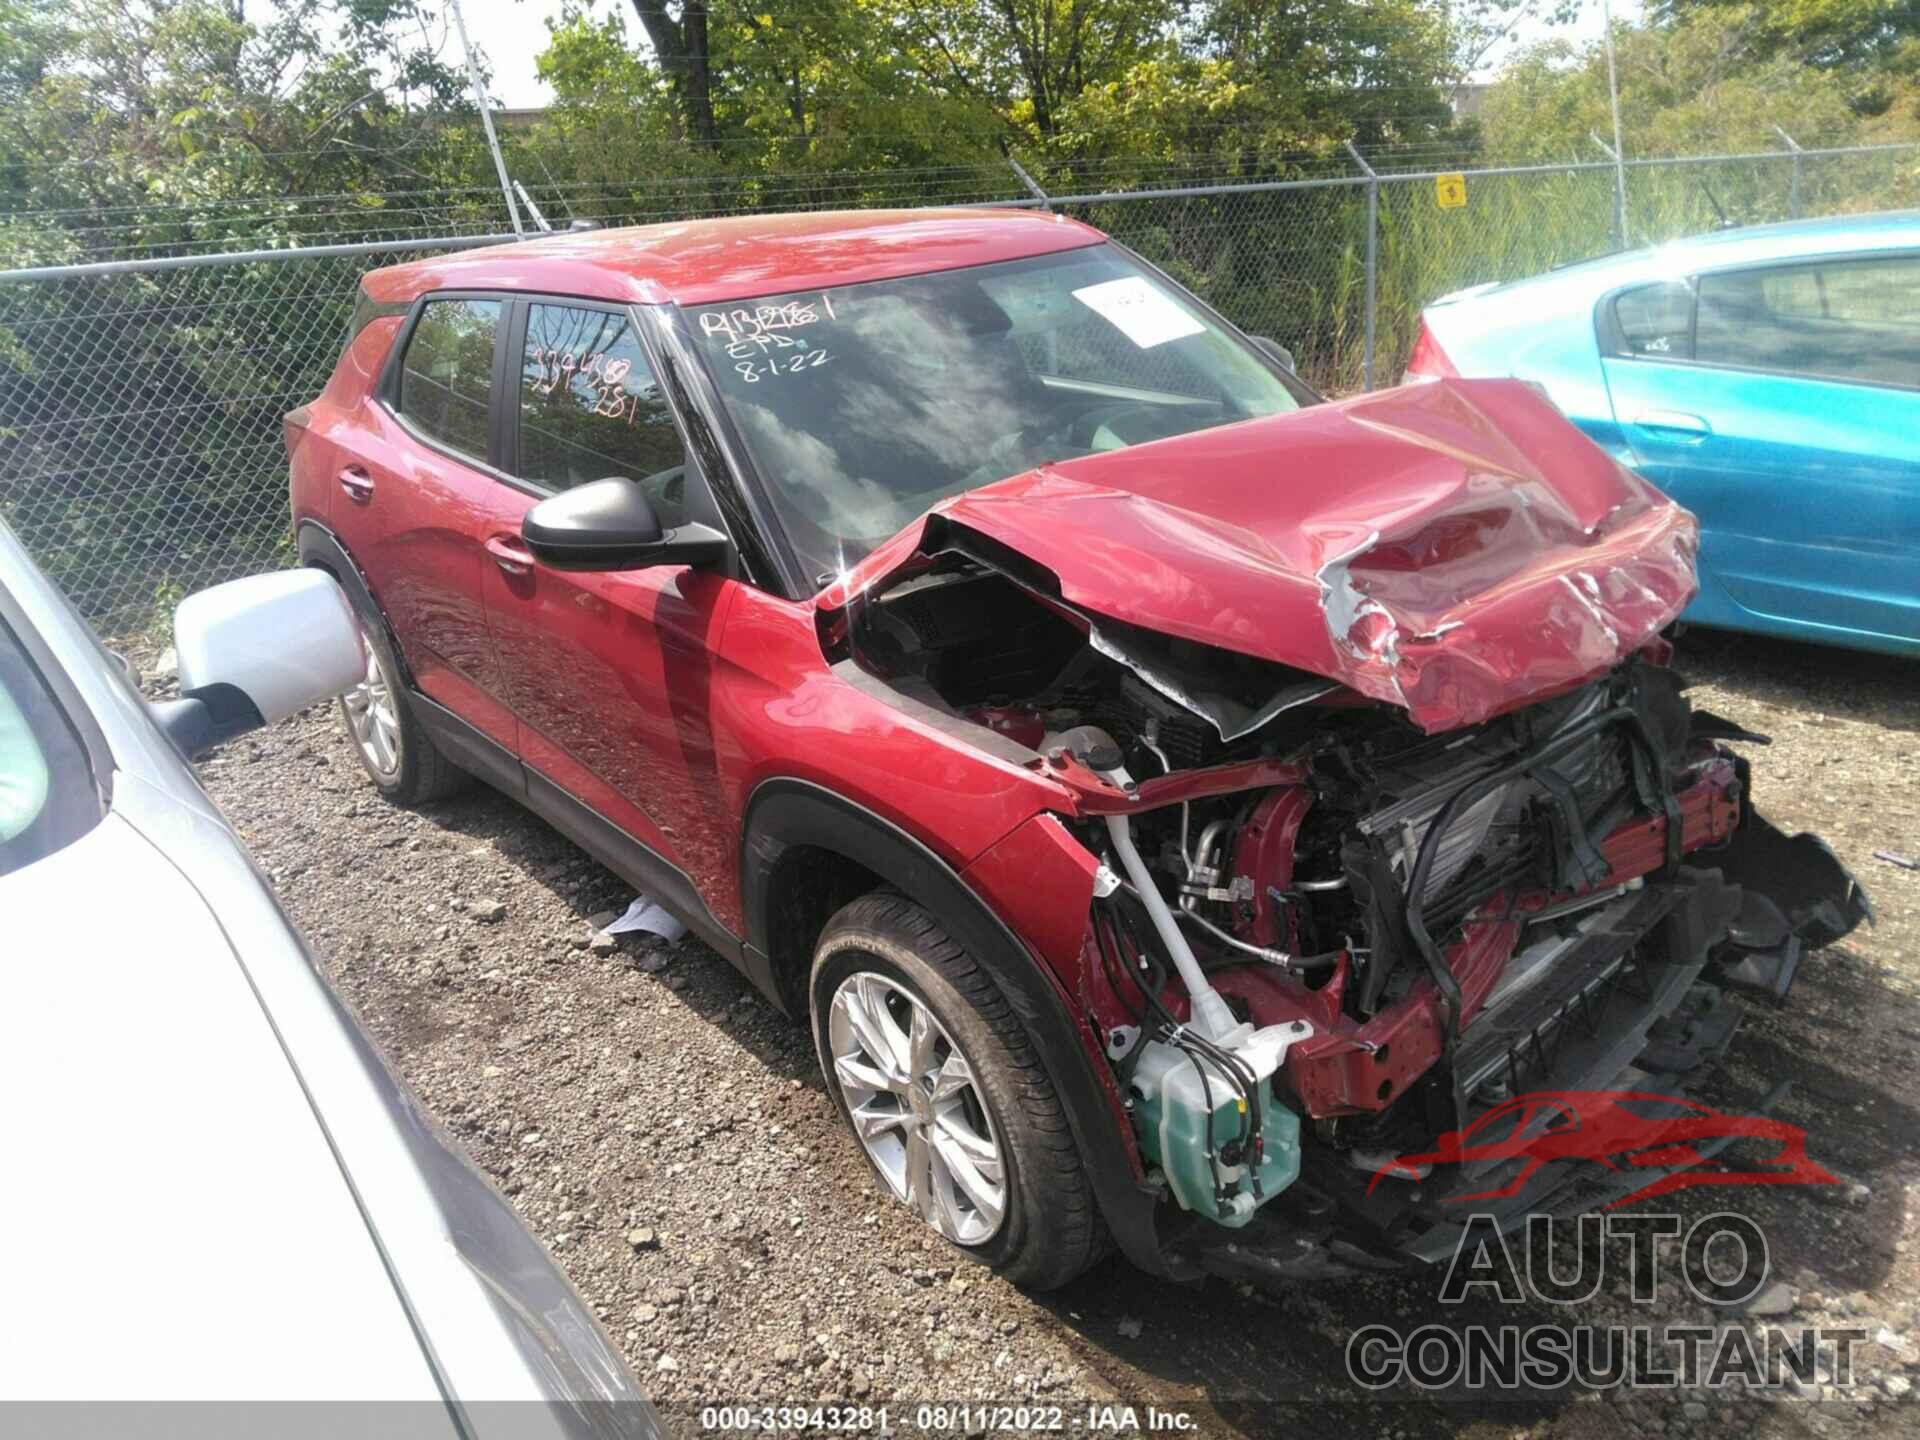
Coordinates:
column 1139, row 311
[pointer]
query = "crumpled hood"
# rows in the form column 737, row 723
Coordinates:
column 1457, row 548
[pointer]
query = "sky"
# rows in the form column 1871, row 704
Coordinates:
column 512, row 32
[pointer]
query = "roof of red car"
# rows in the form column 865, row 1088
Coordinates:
column 695, row 262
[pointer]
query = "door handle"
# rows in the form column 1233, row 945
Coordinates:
column 510, row 555
column 1675, row 422
column 357, row 483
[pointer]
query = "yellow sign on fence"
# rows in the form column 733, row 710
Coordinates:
column 1450, row 191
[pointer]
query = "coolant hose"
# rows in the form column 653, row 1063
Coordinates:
column 1211, row 1017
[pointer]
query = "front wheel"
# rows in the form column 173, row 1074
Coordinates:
column 944, row 1091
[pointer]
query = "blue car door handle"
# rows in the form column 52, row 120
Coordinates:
column 1676, row 423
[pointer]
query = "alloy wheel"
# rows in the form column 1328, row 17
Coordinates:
column 917, row 1107
column 371, row 716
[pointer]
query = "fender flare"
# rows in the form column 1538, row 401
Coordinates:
column 785, row 812
column 318, row 546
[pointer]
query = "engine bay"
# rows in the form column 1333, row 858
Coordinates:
column 1315, row 966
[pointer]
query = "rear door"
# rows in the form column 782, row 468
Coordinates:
column 1781, row 404
column 420, row 501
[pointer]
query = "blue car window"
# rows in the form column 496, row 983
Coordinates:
column 1656, row 320
column 1875, row 291
column 1849, row 320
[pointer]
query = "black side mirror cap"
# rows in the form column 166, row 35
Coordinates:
column 208, row 717
column 611, row 525
column 1276, row 351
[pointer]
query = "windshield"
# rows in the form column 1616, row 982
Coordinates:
column 865, row 404
column 47, row 794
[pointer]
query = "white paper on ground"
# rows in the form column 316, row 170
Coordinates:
column 644, row 914
column 1141, row 312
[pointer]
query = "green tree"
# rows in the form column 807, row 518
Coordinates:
column 808, row 89
column 1824, row 32
column 1029, row 59
column 1372, row 72
column 185, row 101
column 1706, row 81
column 682, row 42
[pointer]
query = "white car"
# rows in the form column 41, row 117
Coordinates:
column 214, row 1190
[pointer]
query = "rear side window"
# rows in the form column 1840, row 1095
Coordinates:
column 1656, row 320
column 447, row 373
column 1855, row 320
column 1880, row 290
column 366, row 310
column 590, row 407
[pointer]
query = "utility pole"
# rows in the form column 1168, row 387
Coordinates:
column 1619, row 154
column 1793, row 193
column 1373, row 251
column 486, row 118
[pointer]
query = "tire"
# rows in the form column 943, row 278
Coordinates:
column 394, row 748
column 885, row 953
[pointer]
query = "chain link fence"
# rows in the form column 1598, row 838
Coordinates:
column 141, row 401
column 141, row 452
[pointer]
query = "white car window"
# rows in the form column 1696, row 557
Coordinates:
column 47, row 794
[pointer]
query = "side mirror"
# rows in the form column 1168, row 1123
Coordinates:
column 254, row 651
column 611, row 525
column 1275, row 351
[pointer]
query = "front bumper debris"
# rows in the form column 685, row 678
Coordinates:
column 1641, row 999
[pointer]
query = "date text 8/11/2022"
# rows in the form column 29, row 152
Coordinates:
column 969, row 1417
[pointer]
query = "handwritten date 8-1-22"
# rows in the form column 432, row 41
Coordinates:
column 754, row 371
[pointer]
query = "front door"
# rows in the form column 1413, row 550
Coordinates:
column 610, row 674
column 1788, row 420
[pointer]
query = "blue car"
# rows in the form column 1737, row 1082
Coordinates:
column 1769, row 380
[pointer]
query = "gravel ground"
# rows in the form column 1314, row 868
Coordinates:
column 665, row 1132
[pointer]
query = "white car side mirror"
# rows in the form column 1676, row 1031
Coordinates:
column 254, row 651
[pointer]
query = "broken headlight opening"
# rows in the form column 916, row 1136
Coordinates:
column 1323, row 937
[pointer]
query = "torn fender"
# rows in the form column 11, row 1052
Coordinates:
column 1457, row 548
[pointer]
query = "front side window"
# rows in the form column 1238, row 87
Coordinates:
column 446, row 376
column 1855, row 320
column 1656, row 321
column 48, row 798
column 863, row 405
column 590, row 408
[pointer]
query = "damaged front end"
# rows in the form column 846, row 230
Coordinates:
column 1449, row 835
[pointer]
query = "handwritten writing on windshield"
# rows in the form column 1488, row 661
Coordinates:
column 753, row 371
column 765, row 341
column 748, row 322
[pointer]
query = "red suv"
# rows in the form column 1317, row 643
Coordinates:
column 1168, row 796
